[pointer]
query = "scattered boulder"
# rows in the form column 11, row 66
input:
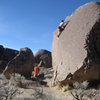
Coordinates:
column 45, row 57
column 22, row 64
column 2, row 65
column 77, row 50
column 6, row 55
column 1, row 51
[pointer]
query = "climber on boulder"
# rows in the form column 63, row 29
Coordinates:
column 61, row 27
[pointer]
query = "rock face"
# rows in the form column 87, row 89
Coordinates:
column 6, row 55
column 77, row 50
column 45, row 56
column 22, row 63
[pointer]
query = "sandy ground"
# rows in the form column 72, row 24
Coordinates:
column 33, row 90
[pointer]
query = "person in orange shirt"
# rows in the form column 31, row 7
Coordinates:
column 36, row 70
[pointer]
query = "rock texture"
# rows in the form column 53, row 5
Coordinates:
column 77, row 50
column 22, row 63
column 45, row 56
column 6, row 55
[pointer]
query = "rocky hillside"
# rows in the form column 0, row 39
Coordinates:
column 22, row 61
column 76, row 52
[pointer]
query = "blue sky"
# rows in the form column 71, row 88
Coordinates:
column 31, row 23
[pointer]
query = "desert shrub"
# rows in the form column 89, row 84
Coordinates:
column 16, row 80
column 59, row 85
column 62, row 87
column 80, row 91
column 81, row 94
column 66, row 88
column 7, row 92
column 83, row 85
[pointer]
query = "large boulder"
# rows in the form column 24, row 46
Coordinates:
column 76, row 53
column 22, row 64
column 6, row 54
column 45, row 57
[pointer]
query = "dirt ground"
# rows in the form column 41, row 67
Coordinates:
column 23, row 89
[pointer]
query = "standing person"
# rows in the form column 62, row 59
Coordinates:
column 36, row 69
